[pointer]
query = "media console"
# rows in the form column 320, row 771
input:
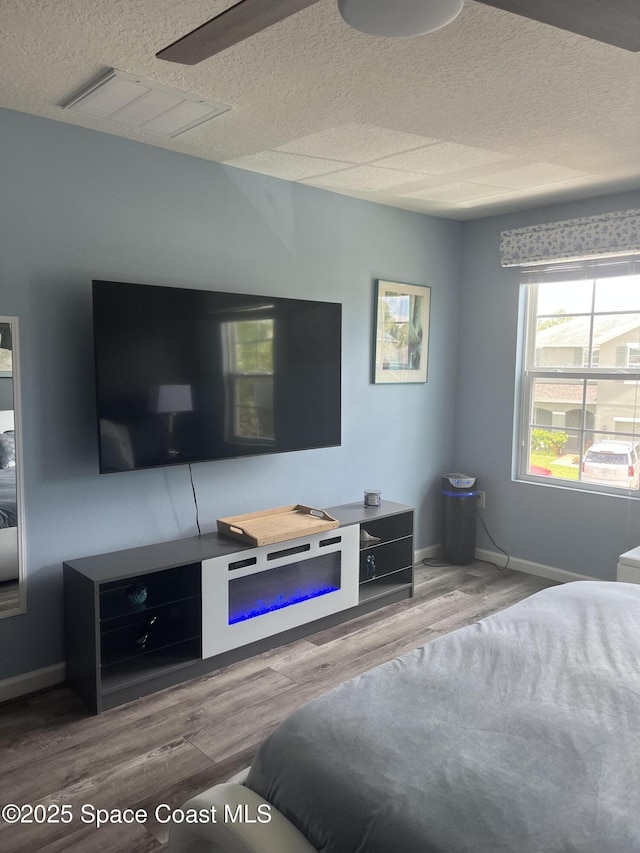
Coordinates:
column 140, row 620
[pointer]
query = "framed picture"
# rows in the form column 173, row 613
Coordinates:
column 401, row 332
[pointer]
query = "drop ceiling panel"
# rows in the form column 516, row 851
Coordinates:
column 291, row 167
column 455, row 192
column 441, row 158
column 355, row 143
column 526, row 177
column 367, row 178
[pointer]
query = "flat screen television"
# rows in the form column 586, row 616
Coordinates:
column 190, row 375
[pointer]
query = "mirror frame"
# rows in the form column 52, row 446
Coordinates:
column 21, row 605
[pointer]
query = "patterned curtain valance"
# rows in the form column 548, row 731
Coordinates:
column 606, row 235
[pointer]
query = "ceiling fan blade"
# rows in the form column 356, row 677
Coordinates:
column 615, row 22
column 235, row 24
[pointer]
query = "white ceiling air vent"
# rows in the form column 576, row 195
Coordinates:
column 147, row 106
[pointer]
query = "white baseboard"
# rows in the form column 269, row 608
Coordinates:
column 539, row 569
column 426, row 553
column 515, row 563
column 29, row 682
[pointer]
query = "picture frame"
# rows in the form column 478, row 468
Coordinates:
column 401, row 332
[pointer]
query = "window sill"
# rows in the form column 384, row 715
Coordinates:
column 581, row 489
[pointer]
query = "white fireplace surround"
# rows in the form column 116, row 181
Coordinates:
column 219, row 635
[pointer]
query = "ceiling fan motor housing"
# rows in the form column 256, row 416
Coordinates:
column 399, row 18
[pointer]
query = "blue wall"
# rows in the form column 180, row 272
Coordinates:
column 579, row 532
column 77, row 205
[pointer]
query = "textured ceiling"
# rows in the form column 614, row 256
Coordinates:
column 493, row 113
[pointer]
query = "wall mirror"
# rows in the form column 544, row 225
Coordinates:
column 12, row 568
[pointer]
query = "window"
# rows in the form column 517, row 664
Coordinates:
column 632, row 356
column 250, row 347
column 580, row 384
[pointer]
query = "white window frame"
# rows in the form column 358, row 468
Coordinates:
column 529, row 373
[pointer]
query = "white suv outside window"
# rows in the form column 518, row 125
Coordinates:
column 612, row 463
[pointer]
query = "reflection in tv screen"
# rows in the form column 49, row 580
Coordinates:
column 189, row 375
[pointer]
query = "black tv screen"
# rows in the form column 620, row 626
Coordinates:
column 190, row 375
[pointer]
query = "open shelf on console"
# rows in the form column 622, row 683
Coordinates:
column 161, row 588
column 155, row 663
column 386, row 585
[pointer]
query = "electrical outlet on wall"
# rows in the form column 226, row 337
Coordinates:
column 480, row 499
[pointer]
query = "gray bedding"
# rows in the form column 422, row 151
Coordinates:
column 519, row 734
column 7, row 497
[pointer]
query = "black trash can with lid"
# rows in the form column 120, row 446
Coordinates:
column 459, row 495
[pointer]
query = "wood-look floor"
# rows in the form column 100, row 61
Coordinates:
column 9, row 596
column 169, row 746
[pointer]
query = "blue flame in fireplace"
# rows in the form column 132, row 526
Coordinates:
column 261, row 607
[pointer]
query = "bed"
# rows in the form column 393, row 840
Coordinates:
column 518, row 734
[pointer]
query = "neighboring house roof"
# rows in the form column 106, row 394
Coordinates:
column 574, row 332
column 555, row 392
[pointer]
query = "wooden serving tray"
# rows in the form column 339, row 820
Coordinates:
column 276, row 525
